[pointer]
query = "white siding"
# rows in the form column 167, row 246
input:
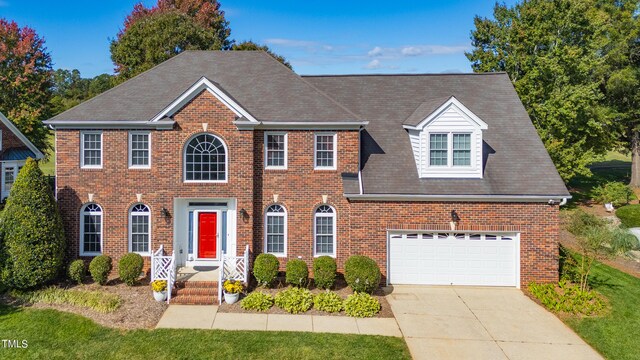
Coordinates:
column 414, row 137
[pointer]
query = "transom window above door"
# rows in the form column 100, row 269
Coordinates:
column 205, row 159
column 275, row 149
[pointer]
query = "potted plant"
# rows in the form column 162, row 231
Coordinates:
column 159, row 290
column 232, row 290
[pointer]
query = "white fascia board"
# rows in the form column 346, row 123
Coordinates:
column 301, row 125
column 194, row 90
column 164, row 124
column 20, row 135
column 451, row 102
column 458, row 198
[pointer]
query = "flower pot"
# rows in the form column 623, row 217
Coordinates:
column 160, row 295
column 231, row 298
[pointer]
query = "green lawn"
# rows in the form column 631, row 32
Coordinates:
column 629, row 215
column 617, row 334
column 615, row 167
column 48, row 166
column 56, row 335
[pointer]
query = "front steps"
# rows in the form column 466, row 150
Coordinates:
column 195, row 293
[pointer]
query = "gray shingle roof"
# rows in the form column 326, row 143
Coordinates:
column 425, row 109
column 516, row 162
column 265, row 88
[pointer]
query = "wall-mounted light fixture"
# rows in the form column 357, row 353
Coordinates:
column 244, row 214
column 455, row 219
column 165, row 213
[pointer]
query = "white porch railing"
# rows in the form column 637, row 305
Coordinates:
column 163, row 267
column 233, row 268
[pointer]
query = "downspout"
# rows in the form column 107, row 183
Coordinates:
column 563, row 202
column 360, row 159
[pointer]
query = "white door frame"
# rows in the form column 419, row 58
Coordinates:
column 404, row 231
column 196, row 230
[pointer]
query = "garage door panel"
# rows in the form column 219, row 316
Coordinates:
column 459, row 259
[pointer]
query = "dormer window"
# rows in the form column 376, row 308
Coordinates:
column 446, row 139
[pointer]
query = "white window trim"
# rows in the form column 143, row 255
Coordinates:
column 82, row 165
column 184, row 161
column 286, row 150
column 450, row 150
column 284, row 215
column 335, row 151
column 148, row 214
column 91, row 253
column 130, row 152
column 335, row 231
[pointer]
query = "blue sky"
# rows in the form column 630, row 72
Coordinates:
column 317, row 37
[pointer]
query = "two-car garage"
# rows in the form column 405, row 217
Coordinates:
column 453, row 258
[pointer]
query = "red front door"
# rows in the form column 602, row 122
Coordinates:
column 207, row 235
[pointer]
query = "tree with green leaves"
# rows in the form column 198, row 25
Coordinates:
column 33, row 242
column 70, row 88
column 252, row 46
column 153, row 35
column 25, row 81
column 552, row 51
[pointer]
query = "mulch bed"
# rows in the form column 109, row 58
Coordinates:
column 340, row 288
column 138, row 309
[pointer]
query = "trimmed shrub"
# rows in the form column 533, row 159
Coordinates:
column 31, row 229
column 77, row 271
column 361, row 305
column 265, row 269
column 614, row 192
column 328, row 301
column 324, row 271
column 362, row 273
column 130, row 267
column 257, row 301
column 99, row 268
column 297, row 272
column 294, row 300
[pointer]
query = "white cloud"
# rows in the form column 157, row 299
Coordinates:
column 373, row 64
column 375, row 51
column 411, row 51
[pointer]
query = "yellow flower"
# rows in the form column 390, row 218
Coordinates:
column 159, row 285
column 233, row 286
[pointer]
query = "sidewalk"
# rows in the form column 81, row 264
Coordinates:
column 207, row 317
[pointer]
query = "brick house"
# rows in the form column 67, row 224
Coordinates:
column 212, row 151
column 15, row 149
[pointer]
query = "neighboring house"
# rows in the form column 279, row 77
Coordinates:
column 15, row 149
column 211, row 151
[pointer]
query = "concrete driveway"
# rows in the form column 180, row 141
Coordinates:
column 440, row 322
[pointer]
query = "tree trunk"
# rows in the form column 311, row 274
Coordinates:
column 635, row 159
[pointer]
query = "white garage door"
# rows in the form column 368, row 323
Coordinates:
column 453, row 259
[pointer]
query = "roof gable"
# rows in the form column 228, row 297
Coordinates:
column 428, row 114
column 21, row 136
column 197, row 88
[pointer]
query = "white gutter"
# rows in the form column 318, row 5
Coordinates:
column 481, row 198
column 301, row 125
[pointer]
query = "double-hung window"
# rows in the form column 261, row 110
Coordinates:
column 91, row 149
column 139, row 229
column 450, row 149
column 140, row 149
column 91, row 230
column 324, row 231
column 276, row 230
column 325, row 151
column 275, row 148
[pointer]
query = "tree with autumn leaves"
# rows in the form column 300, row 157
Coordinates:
column 25, row 80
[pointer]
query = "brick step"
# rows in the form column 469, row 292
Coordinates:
column 197, row 284
column 194, row 300
column 210, row 291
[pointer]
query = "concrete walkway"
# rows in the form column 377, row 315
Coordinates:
column 481, row 323
column 208, row 317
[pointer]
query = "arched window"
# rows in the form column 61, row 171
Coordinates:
column 324, row 231
column 205, row 159
column 91, row 230
column 140, row 229
column 275, row 230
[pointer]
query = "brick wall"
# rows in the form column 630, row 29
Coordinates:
column 9, row 139
column 361, row 225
